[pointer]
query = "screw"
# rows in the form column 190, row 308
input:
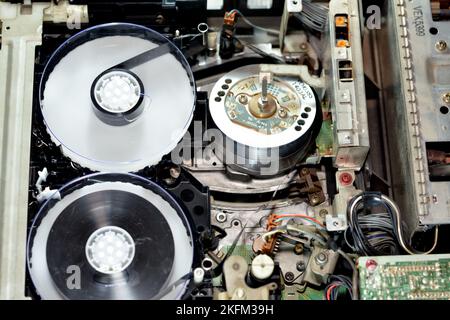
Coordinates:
column 289, row 276
column 345, row 179
column 344, row 96
column 321, row 258
column 282, row 113
column 159, row 19
column 441, row 45
column 435, row 198
column 175, row 172
column 240, row 293
column 298, row 249
column 315, row 199
column 446, row 98
column 348, row 139
column 301, row 266
column 243, row 99
column 323, row 213
column 371, row 265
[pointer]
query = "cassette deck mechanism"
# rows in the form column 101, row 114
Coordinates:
column 195, row 151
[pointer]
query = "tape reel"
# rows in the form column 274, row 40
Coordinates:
column 110, row 236
column 107, row 97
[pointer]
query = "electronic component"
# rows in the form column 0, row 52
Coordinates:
column 342, row 30
column 418, row 277
column 229, row 45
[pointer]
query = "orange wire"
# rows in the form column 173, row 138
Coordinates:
column 300, row 216
column 329, row 291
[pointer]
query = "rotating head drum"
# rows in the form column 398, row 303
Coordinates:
column 270, row 123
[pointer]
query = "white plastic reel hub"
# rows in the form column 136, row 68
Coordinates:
column 110, row 250
column 117, row 91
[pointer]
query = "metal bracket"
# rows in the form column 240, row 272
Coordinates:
column 21, row 33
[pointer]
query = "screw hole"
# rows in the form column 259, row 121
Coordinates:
column 444, row 110
column 434, row 31
column 207, row 264
column 187, row 195
column 198, row 210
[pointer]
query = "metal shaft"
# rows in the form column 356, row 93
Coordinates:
column 264, row 85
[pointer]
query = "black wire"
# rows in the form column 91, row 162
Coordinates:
column 363, row 222
column 221, row 232
column 262, row 53
column 339, row 281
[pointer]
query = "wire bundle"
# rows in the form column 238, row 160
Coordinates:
column 376, row 233
column 337, row 286
column 373, row 233
column 311, row 220
column 289, row 228
column 314, row 15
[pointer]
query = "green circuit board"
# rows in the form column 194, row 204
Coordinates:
column 419, row 277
